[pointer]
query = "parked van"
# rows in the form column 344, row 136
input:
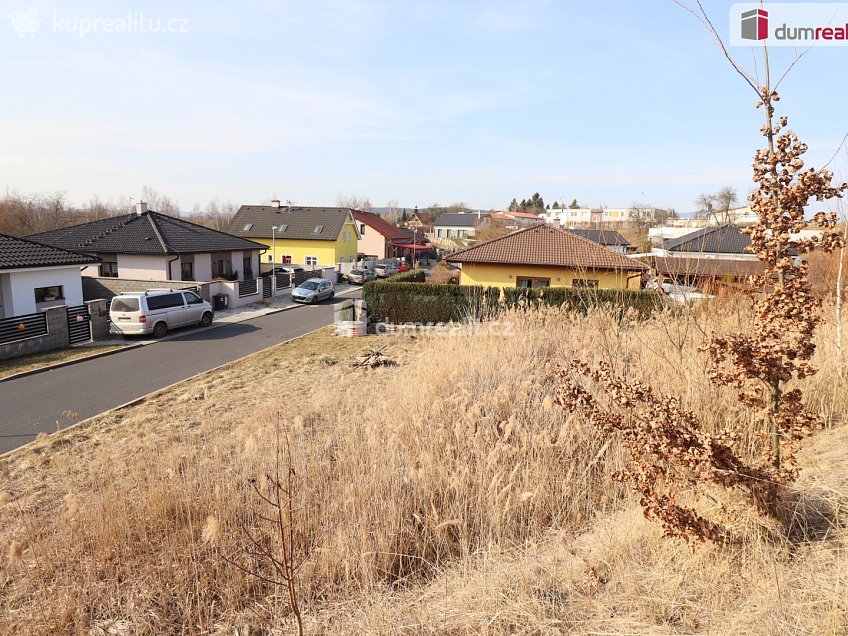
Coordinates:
column 156, row 311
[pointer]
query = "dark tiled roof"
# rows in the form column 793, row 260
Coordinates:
column 602, row 237
column 546, row 245
column 379, row 224
column 721, row 239
column 257, row 220
column 146, row 233
column 457, row 219
column 18, row 253
column 707, row 267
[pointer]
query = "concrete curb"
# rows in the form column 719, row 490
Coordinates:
column 147, row 396
column 136, row 345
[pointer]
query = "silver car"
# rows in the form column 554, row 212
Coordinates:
column 385, row 270
column 361, row 276
column 314, row 290
column 156, row 311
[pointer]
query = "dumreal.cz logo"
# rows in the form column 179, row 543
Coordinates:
column 27, row 22
column 789, row 24
column 755, row 24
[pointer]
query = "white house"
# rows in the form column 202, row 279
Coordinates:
column 596, row 217
column 34, row 276
column 147, row 245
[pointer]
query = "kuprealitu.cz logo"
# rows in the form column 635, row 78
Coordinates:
column 789, row 24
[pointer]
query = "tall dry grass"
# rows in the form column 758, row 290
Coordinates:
column 447, row 494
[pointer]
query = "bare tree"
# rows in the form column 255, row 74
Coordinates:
column 354, row 202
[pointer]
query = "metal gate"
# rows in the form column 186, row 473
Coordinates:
column 79, row 324
column 266, row 287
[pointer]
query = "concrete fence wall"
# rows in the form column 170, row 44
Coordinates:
column 55, row 338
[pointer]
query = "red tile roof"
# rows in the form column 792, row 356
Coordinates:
column 546, row 245
column 378, row 223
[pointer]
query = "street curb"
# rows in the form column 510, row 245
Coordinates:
column 147, row 396
column 137, row 345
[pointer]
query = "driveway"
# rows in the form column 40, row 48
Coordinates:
column 36, row 403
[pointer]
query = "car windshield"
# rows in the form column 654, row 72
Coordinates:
column 356, row 272
column 309, row 285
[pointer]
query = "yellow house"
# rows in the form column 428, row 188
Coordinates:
column 303, row 235
column 545, row 256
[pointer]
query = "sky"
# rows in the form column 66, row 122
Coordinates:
column 421, row 102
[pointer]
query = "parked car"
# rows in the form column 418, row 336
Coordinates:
column 156, row 311
column 361, row 276
column 314, row 290
column 385, row 270
column 279, row 269
column 403, row 267
column 291, row 269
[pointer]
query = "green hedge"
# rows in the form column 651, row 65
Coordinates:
column 412, row 276
column 419, row 302
column 424, row 303
column 645, row 301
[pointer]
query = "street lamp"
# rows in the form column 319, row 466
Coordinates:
column 273, row 248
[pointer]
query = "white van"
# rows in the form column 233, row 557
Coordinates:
column 156, row 311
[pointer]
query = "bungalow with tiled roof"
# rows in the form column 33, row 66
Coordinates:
column 147, row 245
column 34, row 276
column 545, row 256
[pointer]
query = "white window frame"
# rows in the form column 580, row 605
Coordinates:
column 306, row 260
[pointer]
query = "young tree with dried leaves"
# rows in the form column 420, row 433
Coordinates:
column 668, row 451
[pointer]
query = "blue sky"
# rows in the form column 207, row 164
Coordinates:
column 422, row 102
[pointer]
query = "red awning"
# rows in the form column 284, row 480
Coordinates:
column 411, row 246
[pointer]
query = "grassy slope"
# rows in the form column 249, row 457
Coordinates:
column 445, row 495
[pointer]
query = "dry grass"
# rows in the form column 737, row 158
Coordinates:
column 445, row 495
column 39, row 360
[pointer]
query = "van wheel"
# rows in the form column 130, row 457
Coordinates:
column 206, row 320
column 160, row 329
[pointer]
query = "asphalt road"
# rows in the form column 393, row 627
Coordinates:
column 36, row 403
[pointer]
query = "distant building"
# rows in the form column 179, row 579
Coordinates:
column 597, row 217
column 458, row 224
column 608, row 238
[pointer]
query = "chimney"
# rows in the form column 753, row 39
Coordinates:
column 141, row 207
column 275, row 203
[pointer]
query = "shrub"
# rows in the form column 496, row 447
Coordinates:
column 581, row 299
column 412, row 276
column 420, row 302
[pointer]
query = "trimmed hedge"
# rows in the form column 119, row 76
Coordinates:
column 645, row 301
column 419, row 302
column 424, row 303
column 412, row 276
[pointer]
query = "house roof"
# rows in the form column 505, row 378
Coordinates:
column 379, row 224
column 300, row 222
column 458, row 219
column 146, row 233
column 720, row 239
column 602, row 237
column 707, row 267
column 546, row 245
column 19, row 253
column 523, row 215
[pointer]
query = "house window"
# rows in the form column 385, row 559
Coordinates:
column 312, row 261
column 285, row 259
column 49, row 294
column 586, row 283
column 362, row 229
column 109, row 269
column 318, row 229
column 247, row 227
column 246, row 266
column 532, row 282
column 270, row 258
column 187, row 271
column 221, row 268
